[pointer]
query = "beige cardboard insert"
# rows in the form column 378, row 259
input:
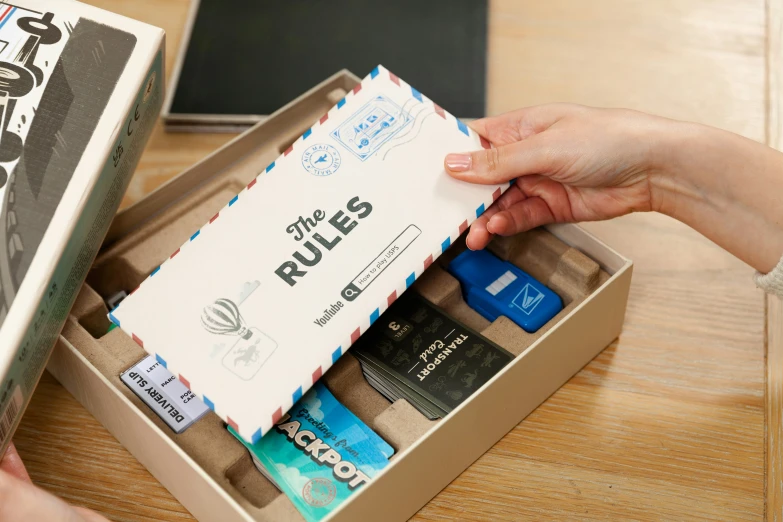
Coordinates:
column 140, row 242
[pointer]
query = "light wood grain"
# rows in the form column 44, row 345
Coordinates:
column 668, row 422
column 700, row 60
column 774, row 402
column 70, row 454
column 774, row 374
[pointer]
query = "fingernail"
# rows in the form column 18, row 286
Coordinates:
column 458, row 162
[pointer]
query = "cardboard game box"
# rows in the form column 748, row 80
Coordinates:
column 206, row 467
column 80, row 90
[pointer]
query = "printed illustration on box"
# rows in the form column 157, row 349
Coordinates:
column 252, row 348
column 49, row 64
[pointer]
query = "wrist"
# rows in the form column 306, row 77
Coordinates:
column 721, row 184
column 678, row 152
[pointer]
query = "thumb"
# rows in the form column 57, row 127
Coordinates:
column 21, row 500
column 497, row 165
column 12, row 463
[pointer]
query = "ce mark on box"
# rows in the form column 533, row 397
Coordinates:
column 381, row 262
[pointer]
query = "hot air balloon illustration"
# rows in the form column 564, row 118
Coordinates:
column 252, row 348
column 223, row 317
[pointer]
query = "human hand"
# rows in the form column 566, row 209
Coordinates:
column 571, row 164
column 21, row 500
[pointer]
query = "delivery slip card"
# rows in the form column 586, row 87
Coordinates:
column 264, row 298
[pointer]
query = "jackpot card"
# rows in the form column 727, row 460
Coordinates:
column 319, row 454
column 422, row 348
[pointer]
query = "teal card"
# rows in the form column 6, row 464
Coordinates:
column 320, row 453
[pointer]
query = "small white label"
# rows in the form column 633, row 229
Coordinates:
column 10, row 413
column 499, row 284
column 171, row 400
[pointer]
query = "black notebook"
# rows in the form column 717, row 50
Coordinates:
column 251, row 57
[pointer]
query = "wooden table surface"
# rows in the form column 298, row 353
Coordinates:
column 669, row 421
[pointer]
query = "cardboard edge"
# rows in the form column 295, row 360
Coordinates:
column 215, row 119
column 181, row 476
column 216, row 126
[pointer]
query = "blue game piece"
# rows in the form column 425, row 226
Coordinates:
column 493, row 288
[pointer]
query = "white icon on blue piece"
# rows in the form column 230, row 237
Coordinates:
column 365, row 131
column 321, row 160
column 528, row 299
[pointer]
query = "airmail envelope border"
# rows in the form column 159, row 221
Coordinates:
column 323, row 159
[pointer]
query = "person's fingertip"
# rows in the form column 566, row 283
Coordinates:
column 498, row 224
column 479, row 125
column 478, row 237
column 458, row 162
column 470, row 239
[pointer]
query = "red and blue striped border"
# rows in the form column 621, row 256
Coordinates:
column 404, row 285
column 7, row 15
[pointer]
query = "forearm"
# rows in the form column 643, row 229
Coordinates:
column 726, row 187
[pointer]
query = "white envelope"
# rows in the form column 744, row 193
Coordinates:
column 263, row 299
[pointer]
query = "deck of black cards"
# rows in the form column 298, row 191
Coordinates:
column 417, row 352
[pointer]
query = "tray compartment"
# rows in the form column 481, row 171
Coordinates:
column 145, row 235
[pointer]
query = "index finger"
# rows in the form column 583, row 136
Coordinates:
column 522, row 123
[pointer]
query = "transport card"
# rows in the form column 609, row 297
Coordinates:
column 266, row 296
column 319, row 454
column 429, row 357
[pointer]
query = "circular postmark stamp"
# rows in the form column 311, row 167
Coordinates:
column 321, row 160
column 319, row 492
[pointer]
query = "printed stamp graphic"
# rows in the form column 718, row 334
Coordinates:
column 321, row 160
column 528, row 299
column 319, row 492
column 365, row 132
column 250, row 351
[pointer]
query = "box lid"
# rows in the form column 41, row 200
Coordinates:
column 69, row 74
column 265, row 297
